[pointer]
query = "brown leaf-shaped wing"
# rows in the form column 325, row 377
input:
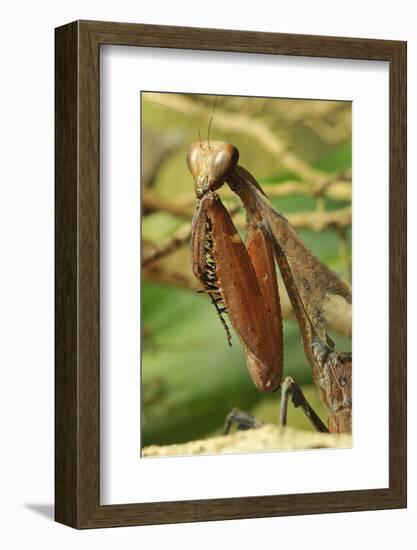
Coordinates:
column 313, row 279
column 236, row 282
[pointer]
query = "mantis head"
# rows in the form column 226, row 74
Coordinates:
column 210, row 162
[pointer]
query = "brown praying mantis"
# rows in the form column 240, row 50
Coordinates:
column 241, row 280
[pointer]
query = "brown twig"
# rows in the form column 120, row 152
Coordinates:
column 337, row 188
column 174, row 270
column 152, row 252
column 254, row 127
column 184, row 207
column 314, row 220
column 152, row 202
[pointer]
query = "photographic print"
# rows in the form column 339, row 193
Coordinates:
column 246, row 274
column 204, row 274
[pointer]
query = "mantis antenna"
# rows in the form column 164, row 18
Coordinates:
column 211, row 120
column 189, row 115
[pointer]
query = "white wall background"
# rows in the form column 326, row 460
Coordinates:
column 26, row 289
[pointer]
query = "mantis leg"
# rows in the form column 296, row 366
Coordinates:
column 242, row 419
column 290, row 388
column 246, row 421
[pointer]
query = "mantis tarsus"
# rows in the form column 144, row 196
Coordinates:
column 241, row 281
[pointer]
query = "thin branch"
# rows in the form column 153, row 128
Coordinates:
column 174, row 270
column 256, row 128
column 328, row 133
column 337, row 188
column 314, row 220
column 152, row 252
column 152, row 202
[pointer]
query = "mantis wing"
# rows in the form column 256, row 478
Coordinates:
column 313, row 280
column 224, row 267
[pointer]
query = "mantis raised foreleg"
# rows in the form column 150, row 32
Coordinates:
column 241, row 281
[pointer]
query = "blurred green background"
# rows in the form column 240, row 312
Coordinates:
column 300, row 152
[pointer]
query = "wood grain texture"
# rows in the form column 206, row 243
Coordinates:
column 398, row 274
column 78, row 286
column 66, row 236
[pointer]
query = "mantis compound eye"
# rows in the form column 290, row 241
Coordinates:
column 225, row 159
column 193, row 158
column 210, row 163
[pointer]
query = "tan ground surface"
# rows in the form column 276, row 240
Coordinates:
column 266, row 438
